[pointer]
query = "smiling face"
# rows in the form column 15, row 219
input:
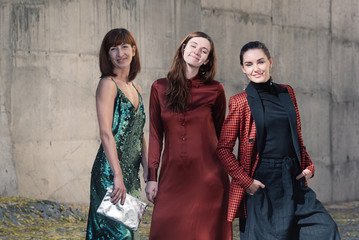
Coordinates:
column 256, row 65
column 121, row 55
column 196, row 52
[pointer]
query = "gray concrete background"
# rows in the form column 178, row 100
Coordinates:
column 49, row 72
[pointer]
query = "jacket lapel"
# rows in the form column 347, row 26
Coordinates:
column 256, row 106
column 288, row 105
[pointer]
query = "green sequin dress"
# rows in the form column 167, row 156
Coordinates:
column 127, row 129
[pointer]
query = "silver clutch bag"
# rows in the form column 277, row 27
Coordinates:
column 129, row 214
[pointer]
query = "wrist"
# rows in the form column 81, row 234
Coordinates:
column 117, row 174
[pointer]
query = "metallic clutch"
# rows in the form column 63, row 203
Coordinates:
column 129, row 214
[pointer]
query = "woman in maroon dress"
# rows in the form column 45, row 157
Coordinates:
column 187, row 110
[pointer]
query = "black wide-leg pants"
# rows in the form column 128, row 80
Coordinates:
column 286, row 209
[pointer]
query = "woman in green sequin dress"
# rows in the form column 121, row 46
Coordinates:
column 121, row 120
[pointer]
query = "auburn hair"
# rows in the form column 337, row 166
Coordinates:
column 177, row 93
column 114, row 38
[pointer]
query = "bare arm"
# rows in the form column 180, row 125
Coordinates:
column 144, row 151
column 144, row 160
column 105, row 96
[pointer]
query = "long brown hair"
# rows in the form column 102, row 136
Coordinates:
column 114, row 38
column 177, row 92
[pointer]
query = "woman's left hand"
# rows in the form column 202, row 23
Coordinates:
column 305, row 173
column 119, row 190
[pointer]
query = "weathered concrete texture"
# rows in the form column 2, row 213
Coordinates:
column 345, row 150
column 8, row 177
column 303, row 14
column 345, row 99
column 49, row 73
column 8, row 186
column 230, row 29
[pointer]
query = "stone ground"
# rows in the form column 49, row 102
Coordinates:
column 22, row 218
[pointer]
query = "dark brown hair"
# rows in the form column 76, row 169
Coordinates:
column 177, row 92
column 114, row 38
column 253, row 45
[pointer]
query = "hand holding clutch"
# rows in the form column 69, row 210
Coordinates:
column 129, row 214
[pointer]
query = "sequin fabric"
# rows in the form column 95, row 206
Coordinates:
column 127, row 129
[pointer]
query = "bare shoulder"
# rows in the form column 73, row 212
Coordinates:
column 106, row 85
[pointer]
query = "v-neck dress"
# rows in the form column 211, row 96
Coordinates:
column 127, row 129
column 192, row 187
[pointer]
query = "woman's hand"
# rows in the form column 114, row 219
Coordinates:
column 305, row 173
column 119, row 190
column 254, row 187
column 151, row 191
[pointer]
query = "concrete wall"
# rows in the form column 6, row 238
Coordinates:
column 49, row 73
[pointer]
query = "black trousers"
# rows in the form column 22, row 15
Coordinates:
column 285, row 209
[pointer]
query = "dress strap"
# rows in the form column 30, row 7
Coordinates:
column 115, row 84
column 136, row 89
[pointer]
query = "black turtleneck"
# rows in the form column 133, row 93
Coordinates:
column 278, row 137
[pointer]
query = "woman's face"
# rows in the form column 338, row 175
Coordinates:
column 196, row 52
column 256, row 65
column 121, row 55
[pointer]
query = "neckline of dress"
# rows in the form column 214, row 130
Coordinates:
column 138, row 94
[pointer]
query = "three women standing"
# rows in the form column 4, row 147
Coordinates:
column 121, row 119
column 269, row 192
column 187, row 110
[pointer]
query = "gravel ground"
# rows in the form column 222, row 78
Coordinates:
column 22, row 218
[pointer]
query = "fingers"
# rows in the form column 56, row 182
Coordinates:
column 151, row 191
column 249, row 192
column 252, row 189
column 154, row 195
column 117, row 195
column 300, row 176
column 123, row 198
column 305, row 173
column 151, row 195
column 258, row 183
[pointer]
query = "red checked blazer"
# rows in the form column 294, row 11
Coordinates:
column 245, row 119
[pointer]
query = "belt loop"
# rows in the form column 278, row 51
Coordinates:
column 272, row 163
column 287, row 162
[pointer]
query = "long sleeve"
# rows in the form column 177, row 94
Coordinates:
column 306, row 161
column 227, row 141
column 156, row 134
column 219, row 110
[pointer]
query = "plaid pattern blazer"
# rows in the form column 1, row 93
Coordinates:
column 245, row 121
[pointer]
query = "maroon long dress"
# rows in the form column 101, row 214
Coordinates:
column 192, row 187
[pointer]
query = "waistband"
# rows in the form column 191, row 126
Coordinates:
column 278, row 160
column 289, row 163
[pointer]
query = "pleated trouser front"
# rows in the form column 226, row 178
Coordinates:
column 286, row 209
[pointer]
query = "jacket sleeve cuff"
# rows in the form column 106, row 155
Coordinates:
column 247, row 183
column 312, row 169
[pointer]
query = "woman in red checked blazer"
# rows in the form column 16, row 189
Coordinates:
column 268, row 191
